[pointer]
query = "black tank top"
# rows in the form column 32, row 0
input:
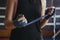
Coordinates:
column 30, row 8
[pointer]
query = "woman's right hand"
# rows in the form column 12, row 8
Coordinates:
column 9, row 24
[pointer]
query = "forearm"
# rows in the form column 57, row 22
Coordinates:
column 9, row 9
column 43, row 8
column 43, row 22
column 9, row 13
column 49, row 13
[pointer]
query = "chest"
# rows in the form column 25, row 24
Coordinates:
column 30, row 8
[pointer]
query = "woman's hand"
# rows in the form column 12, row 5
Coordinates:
column 22, row 18
column 51, row 10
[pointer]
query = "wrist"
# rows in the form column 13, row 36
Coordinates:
column 48, row 16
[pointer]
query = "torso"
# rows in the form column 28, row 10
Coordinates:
column 30, row 8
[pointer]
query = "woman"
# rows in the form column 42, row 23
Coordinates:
column 31, row 9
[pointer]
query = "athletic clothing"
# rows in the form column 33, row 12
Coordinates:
column 26, row 33
column 31, row 10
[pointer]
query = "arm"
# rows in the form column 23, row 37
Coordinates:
column 44, row 21
column 50, row 12
column 9, row 14
column 43, row 8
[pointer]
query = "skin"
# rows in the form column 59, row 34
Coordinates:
column 9, row 14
